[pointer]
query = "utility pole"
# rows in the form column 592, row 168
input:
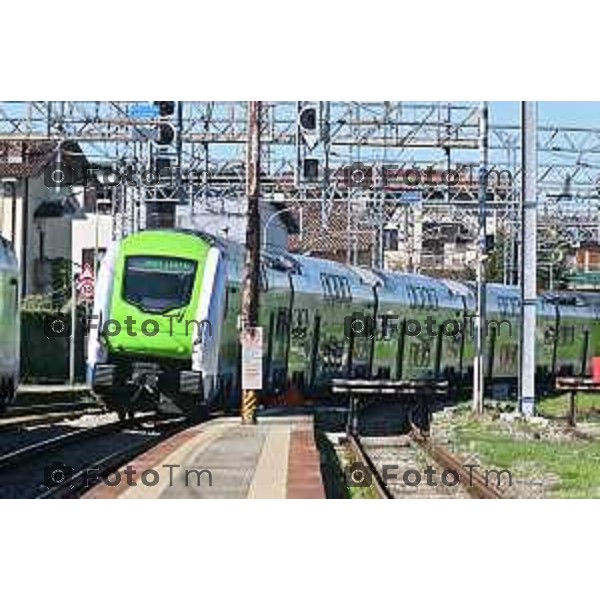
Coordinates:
column 73, row 325
column 480, row 312
column 528, row 256
column 252, row 260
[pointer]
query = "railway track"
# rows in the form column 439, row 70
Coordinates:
column 23, row 419
column 389, row 459
column 31, row 460
column 478, row 486
column 17, row 410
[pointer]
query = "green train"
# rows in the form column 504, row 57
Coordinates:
column 9, row 324
column 165, row 328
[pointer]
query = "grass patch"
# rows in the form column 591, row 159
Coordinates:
column 558, row 406
column 564, row 468
column 357, row 492
column 332, row 470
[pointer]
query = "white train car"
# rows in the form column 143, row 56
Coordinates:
column 9, row 324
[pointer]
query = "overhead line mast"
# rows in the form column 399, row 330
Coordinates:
column 252, row 260
column 480, row 314
column 528, row 257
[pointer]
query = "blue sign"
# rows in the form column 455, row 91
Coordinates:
column 407, row 196
column 411, row 197
column 143, row 111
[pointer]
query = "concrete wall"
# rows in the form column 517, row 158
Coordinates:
column 86, row 230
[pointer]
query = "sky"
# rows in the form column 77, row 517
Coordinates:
column 561, row 114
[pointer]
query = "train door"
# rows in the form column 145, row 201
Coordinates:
column 573, row 339
column 502, row 335
column 449, row 326
column 421, row 333
column 545, row 347
column 314, row 350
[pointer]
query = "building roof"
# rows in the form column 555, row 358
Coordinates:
column 23, row 159
column 50, row 209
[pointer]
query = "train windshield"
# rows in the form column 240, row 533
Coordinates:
column 159, row 284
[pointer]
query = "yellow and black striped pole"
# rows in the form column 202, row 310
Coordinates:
column 249, row 403
column 252, row 260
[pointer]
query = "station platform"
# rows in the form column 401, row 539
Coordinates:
column 277, row 458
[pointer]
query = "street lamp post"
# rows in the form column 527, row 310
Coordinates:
column 275, row 214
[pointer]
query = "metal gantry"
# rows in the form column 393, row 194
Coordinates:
column 440, row 136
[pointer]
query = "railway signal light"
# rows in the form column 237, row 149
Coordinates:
column 166, row 134
column 308, row 124
column 310, row 169
column 166, row 108
column 308, row 119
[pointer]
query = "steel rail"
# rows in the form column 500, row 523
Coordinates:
column 478, row 486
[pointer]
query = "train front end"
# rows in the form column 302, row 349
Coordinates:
column 154, row 331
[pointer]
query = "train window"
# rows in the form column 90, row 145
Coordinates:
column 432, row 299
column 508, row 306
column 348, row 290
column 417, row 295
column 388, row 327
column 502, row 306
column 337, row 287
column 299, row 323
column 159, row 284
column 328, row 289
column 323, row 286
column 423, row 295
column 428, row 298
column 344, row 285
column 345, row 288
column 281, row 326
column 567, row 334
column 263, row 279
column 414, row 297
column 549, row 334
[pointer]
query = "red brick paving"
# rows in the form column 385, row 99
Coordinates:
column 304, row 466
column 149, row 459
